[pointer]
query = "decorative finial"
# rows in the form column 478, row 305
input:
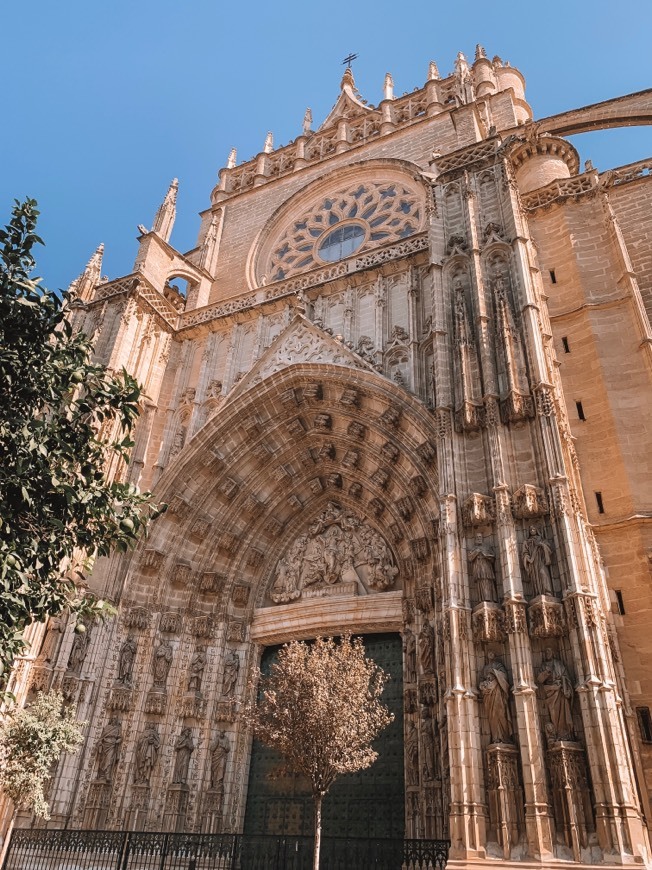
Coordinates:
column 588, row 166
column 479, row 52
column 268, row 147
column 84, row 286
column 460, row 61
column 233, row 157
column 307, row 122
column 347, row 80
column 433, row 72
column 164, row 220
column 388, row 87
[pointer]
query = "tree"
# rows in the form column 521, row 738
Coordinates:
column 320, row 708
column 31, row 742
column 62, row 418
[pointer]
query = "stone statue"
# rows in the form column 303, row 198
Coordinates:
column 557, row 691
column 428, row 749
column 537, row 558
column 412, row 753
column 78, row 652
column 161, row 664
column 108, row 749
column 220, row 749
column 495, row 688
column 231, row 669
column 184, row 747
column 197, row 665
column 51, row 641
column 427, row 648
column 410, row 649
column 147, row 750
column 126, row 660
column 482, row 560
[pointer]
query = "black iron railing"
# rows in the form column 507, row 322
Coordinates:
column 138, row 850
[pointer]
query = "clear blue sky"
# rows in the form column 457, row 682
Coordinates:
column 104, row 103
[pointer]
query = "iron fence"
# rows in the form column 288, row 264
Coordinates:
column 139, row 850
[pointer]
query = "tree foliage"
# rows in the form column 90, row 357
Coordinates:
column 62, row 417
column 320, row 708
column 31, row 741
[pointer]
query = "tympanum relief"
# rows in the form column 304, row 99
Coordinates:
column 339, row 554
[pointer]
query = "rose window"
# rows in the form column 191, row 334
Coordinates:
column 367, row 215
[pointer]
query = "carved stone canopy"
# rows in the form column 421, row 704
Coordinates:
column 339, row 554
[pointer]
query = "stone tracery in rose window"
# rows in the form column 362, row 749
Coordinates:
column 366, row 216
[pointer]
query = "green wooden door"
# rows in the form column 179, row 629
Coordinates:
column 365, row 804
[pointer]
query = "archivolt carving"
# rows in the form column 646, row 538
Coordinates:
column 338, row 554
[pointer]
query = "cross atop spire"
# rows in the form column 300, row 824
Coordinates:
column 348, row 60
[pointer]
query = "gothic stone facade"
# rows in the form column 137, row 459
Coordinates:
column 407, row 390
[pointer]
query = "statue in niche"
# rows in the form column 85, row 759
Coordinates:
column 161, row 664
column 197, row 665
column 482, row 560
column 557, row 691
column 220, row 749
column 126, row 660
column 79, row 649
column 147, row 750
column 410, row 650
column 231, row 670
column 427, row 648
column 412, row 753
column 428, row 747
column 108, row 749
column 51, row 641
column 495, row 688
column 537, row 558
column 184, row 748
column 339, row 548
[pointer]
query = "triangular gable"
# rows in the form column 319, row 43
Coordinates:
column 349, row 104
column 300, row 342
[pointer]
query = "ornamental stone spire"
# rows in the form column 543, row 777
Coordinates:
column 164, row 220
column 388, row 87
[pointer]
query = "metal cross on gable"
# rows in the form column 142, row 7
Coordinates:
column 349, row 60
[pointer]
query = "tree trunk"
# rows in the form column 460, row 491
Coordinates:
column 318, row 800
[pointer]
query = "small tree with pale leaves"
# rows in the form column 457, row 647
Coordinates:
column 320, row 708
column 32, row 739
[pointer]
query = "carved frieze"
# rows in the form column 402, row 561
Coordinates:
column 529, row 502
column 230, row 487
column 376, row 507
column 355, row 490
column 418, row 486
column 323, row 422
column 153, row 559
column 201, row 527
column 236, row 631
column 178, row 507
column 210, row 581
column 255, row 558
column 181, row 574
column 515, row 622
column 427, row 452
column 419, row 547
column 170, row 622
column 121, row 698
column 381, row 477
column 391, row 417
column 350, row 398
column 156, row 702
column 228, row 543
column 136, row 617
column 296, row 427
column 338, row 551
column 357, row 430
column 202, row 626
column 240, row 595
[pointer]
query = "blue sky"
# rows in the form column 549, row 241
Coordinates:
column 104, row 103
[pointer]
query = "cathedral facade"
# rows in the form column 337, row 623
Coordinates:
column 400, row 388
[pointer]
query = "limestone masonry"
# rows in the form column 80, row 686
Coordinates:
column 401, row 385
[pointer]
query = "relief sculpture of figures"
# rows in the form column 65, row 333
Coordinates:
column 231, row 669
column 427, row 648
column 126, row 661
column 184, row 747
column 161, row 664
column 482, row 560
column 557, row 691
column 537, row 558
column 147, row 750
column 108, row 749
column 220, row 749
column 197, row 665
column 428, row 747
column 495, row 688
column 339, row 548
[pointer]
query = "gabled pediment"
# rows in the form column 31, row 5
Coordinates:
column 349, row 104
column 300, row 342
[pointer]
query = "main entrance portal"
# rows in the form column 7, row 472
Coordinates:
column 366, row 804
